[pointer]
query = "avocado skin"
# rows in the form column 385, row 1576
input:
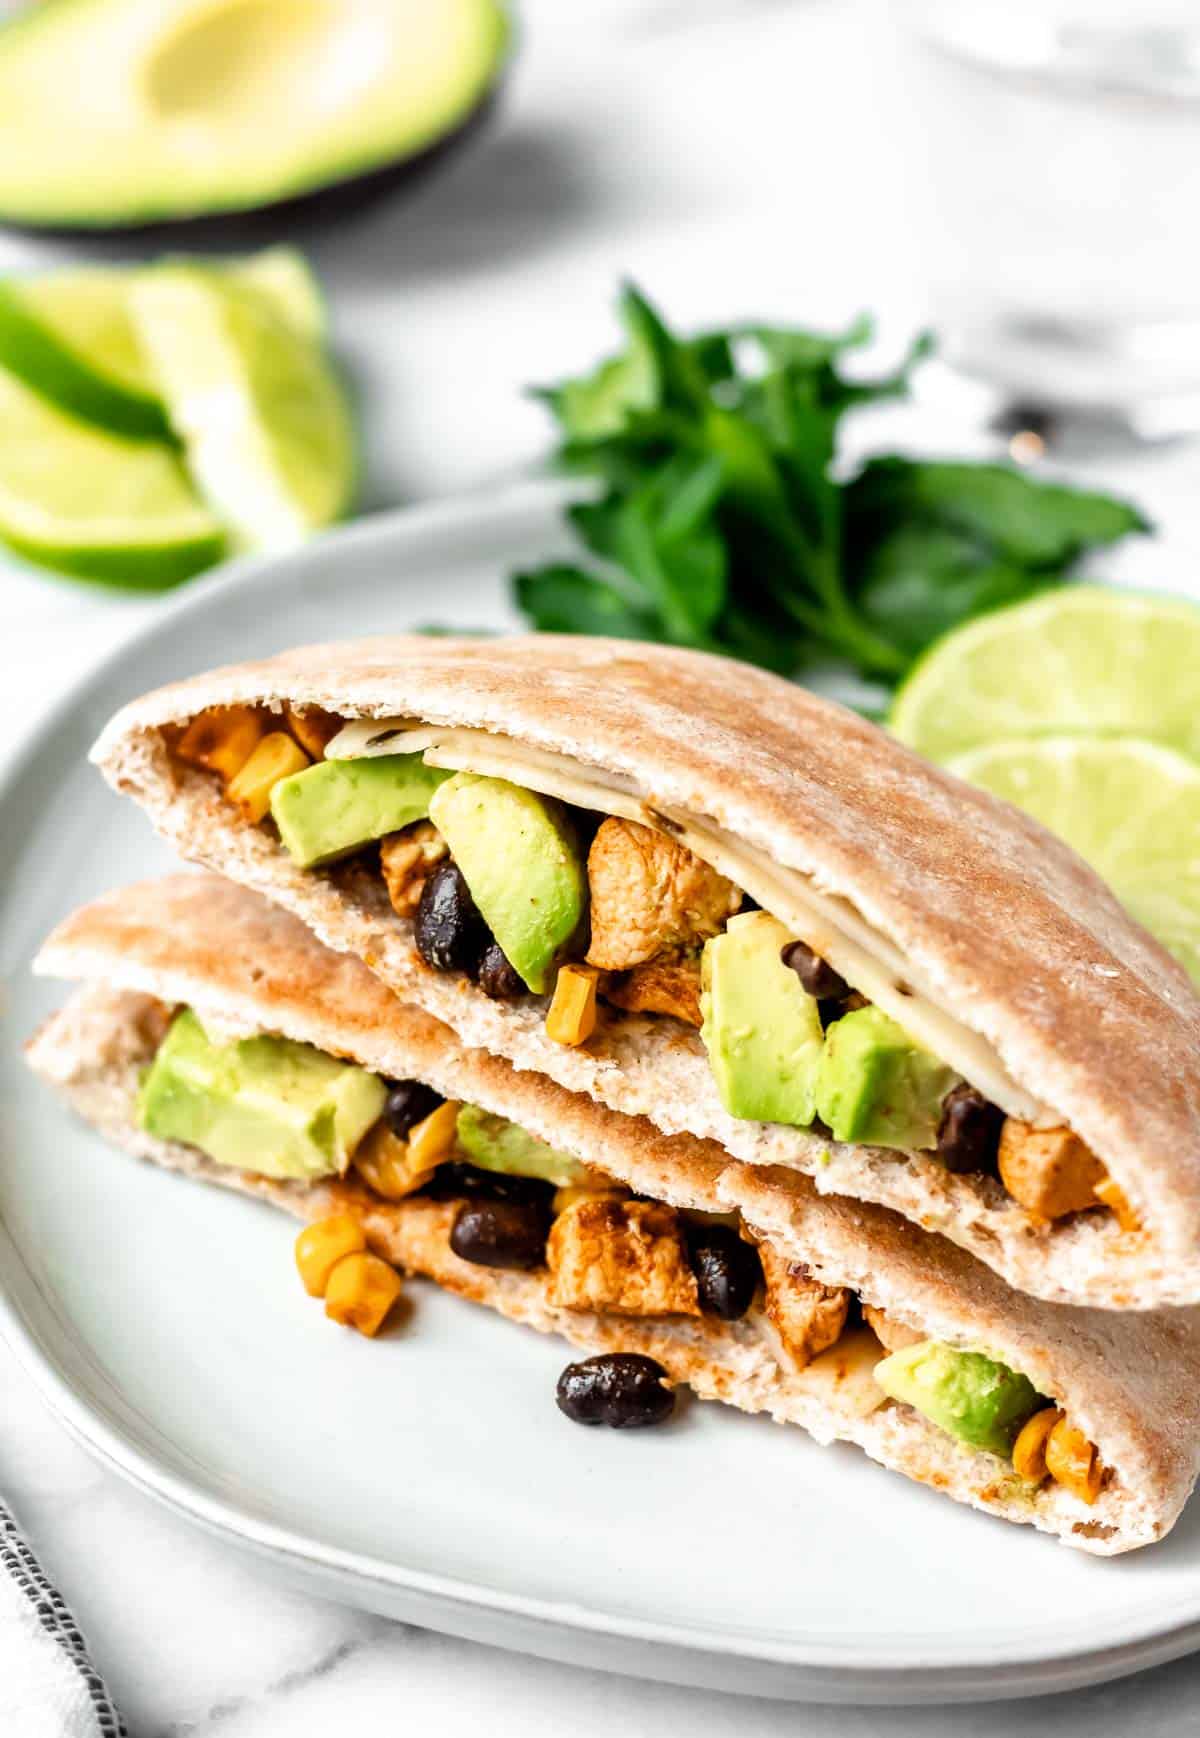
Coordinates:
column 519, row 857
column 971, row 1396
column 266, row 1105
column 761, row 1029
column 331, row 809
column 877, row 1087
column 494, row 1144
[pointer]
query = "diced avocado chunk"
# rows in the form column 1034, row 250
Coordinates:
column 518, row 856
column 761, row 1029
column 333, row 808
column 495, row 1144
column 876, row 1086
column 975, row 1398
column 267, row 1105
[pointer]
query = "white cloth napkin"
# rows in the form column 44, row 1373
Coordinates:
column 49, row 1687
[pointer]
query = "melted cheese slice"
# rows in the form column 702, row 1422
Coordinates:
column 829, row 924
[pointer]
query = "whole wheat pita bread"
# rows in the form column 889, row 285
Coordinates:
column 972, row 907
column 1131, row 1381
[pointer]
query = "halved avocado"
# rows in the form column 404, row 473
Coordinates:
column 196, row 108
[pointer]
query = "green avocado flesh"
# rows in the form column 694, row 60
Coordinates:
column 761, row 1029
column 114, row 113
column 519, row 858
column 331, row 809
column 496, row 1145
column 876, row 1086
column 976, row 1399
column 267, row 1105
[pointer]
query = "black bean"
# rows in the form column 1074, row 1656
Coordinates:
column 497, row 978
column 621, row 1389
column 408, row 1103
column 969, row 1133
column 449, row 932
column 500, row 1233
column 457, row 1179
column 817, row 976
column 726, row 1267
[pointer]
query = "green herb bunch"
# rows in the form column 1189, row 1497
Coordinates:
column 720, row 522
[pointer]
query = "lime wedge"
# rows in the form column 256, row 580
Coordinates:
column 75, row 498
column 260, row 411
column 70, row 337
column 1131, row 808
column 1084, row 659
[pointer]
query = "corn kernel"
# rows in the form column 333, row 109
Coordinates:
column 431, row 1141
column 385, row 1161
column 221, row 739
column 276, row 757
column 572, row 1015
column 361, row 1292
column 321, row 1245
column 1029, row 1450
column 313, row 728
column 597, row 1185
column 1072, row 1461
column 1113, row 1196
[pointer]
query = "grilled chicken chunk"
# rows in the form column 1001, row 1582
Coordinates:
column 650, row 896
column 624, row 1256
column 807, row 1316
column 1049, row 1171
column 661, row 986
column 409, row 858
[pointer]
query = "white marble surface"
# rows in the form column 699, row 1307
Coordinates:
column 727, row 153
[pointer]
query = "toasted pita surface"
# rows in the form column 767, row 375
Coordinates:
column 1131, row 1381
column 1010, row 928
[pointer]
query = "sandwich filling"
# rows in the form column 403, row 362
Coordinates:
column 277, row 1108
column 536, row 877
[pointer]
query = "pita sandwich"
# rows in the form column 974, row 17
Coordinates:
column 971, row 1031
column 836, row 1282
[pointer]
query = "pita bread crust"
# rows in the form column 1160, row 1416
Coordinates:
column 1013, row 930
column 1132, row 1381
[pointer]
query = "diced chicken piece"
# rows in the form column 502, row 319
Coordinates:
column 627, row 1257
column 409, row 858
column 807, row 1316
column 661, row 986
column 650, row 895
column 221, row 739
column 1049, row 1171
column 313, row 728
column 892, row 1335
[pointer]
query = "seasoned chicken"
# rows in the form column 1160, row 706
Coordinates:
column 892, row 1336
column 807, row 1316
column 661, row 986
column 409, row 857
column 1049, row 1171
column 650, row 895
column 625, row 1256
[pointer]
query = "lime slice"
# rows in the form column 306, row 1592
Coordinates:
column 259, row 409
column 1131, row 808
column 75, row 498
column 70, row 337
column 1083, row 659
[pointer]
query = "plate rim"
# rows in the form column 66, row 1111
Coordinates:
column 557, row 1628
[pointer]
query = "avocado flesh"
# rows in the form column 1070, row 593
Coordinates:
column 761, row 1029
column 333, row 808
column 518, row 857
column 876, row 1086
column 193, row 109
column 495, row 1144
column 973, row 1397
column 266, row 1105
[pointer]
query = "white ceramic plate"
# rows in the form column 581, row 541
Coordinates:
column 429, row 1475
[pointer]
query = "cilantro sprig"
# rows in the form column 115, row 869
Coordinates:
column 719, row 521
